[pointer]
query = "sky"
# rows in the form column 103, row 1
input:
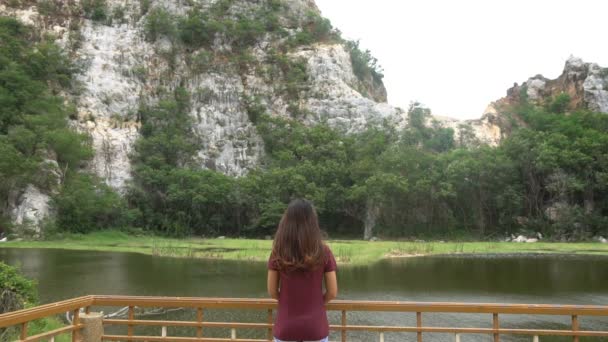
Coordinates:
column 456, row 57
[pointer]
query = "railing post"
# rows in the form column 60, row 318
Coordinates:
column 163, row 331
column 419, row 325
column 496, row 326
column 535, row 338
column 381, row 336
column 575, row 327
column 23, row 330
column 233, row 334
column 199, row 319
column 457, row 337
column 92, row 329
column 75, row 323
column 269, row 322
column 131, row 317
column 343, row 325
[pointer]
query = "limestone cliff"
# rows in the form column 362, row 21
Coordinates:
column 585, row 83
column 121, row 68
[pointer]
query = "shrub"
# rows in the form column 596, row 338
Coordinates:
column 96, row 10
column 364, row 64
column 118, row 14
column 16, row 291
column 193, row 29
column 159, row 22
column 144, row 6
column 71, row 147
column 47, row 7
column 320, row 28
column 559, row 104
column 314, row 29
column 255, row 108
column 201, row 61
column 246, row 32
column 295, row 75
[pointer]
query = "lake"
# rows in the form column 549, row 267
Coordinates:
column 536, row 279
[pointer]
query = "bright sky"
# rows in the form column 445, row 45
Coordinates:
column 458, row 56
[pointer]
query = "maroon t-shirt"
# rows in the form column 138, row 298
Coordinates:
column 301, row 314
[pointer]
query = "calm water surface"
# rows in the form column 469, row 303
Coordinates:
column 552, row 279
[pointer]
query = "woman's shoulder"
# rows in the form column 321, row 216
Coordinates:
column 330, row 261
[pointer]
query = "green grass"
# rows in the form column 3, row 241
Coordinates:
column 37, row 327
column 346, row 251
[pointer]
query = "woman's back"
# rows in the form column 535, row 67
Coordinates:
column 301, row 314
column 297, row 267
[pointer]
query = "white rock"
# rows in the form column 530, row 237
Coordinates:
column 113, row 143
column 111, row 95
column 28, row 16
column 520, row 238
column 596, row 88
column 230, row 141
column 485, row 130
column 30, row 208
column 535, row 87
column 333, row 97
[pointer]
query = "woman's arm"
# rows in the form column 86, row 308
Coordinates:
column 273, row 284
column 331, row 286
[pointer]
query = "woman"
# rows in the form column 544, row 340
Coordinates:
column 298, row 264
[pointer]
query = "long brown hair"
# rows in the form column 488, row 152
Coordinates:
column 298, row 243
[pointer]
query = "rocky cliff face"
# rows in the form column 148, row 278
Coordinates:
column 120, row 70
column 585, row 83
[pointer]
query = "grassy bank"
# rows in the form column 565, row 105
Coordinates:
column 346, row 251
column 37, row 327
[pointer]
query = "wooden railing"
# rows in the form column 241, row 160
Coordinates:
column 21, row 318
column 201, row 305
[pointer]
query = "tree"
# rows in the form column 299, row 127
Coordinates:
column 159, row 23
column 33, row 120
column 16, row 292
column 87, row 204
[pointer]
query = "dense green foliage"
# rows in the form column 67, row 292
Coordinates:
column 87, row 204
column 364, row 64
column 159, row 23
column 33, row 119
column 314, row 29
column 413, row 182
column 199, row 27
column 16, row 291
column 173, row 195
column 96, row 10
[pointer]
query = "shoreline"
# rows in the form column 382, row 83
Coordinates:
column 346, row 252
